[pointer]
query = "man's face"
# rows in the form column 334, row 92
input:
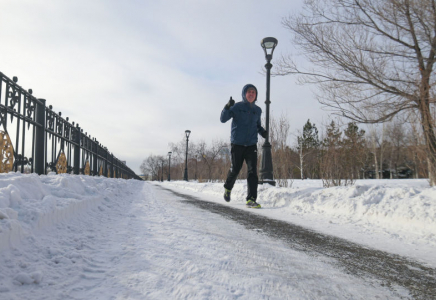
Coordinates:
column 250, row 95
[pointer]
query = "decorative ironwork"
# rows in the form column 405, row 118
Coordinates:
column 46, row 142
column 50, row 120
column 67, row 131
column 59, row 126
column 51, row 166
column 29, row 106
column 6, row 153
column 21, row 160
column 14, row 98
column 3, row 118
column 87, row 170
column 101, row 151
column 61, row 164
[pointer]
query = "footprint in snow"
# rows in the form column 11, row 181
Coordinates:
column 23, row 278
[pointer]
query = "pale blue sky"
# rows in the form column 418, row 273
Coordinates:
column 136, row 74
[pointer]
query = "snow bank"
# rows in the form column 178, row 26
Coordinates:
column 31, row 202
column 117, row 239
column 405, row 208
column 370, row 212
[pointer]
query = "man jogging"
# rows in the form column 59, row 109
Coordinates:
column 245, row 128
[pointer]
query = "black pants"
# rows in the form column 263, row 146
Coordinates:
column 239, row 154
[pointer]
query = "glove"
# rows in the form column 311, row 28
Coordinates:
column 263, row 134
column 230, row 103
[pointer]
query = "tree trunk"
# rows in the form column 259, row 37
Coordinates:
column 390, row 162
column 428, row 129
column 301, row 162
column 431, row 152
column 416, row 162
column 381, row 151
column 374, row 150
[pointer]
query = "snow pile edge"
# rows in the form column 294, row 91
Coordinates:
column 29, row 202
column 406, row 206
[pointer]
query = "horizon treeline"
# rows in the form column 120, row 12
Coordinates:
column 337, row 152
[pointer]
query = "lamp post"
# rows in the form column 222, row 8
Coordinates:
column 169, row 166
column 187, row 133
column 266, row 171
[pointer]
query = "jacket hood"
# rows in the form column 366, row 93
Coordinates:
column 244, row 91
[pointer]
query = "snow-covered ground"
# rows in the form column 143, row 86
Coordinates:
column 81, row 237
column 397, row 216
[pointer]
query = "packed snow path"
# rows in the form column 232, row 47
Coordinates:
column 355, row 259
column 152, row 244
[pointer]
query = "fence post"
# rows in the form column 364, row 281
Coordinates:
column 94, row 162
column 106, row 167
column 39, row 159
column 77, row 140
column 112, row 165
column 116, row 168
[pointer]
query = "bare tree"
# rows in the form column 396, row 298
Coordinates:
column 382, row 147
column 224, row 162
column 151, row 166
column 210, row 155
column 282, row 164
column 307, row 146
column 373, row 141
column 373, row 59
column 342, row 155
column 416, row 149
column 397, row 139
column 177, row 158
column 334, row 168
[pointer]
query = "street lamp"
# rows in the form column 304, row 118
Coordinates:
column 187, row 132
column 266, row 170
column 169, row 166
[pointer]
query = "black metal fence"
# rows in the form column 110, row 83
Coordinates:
column 35, row 139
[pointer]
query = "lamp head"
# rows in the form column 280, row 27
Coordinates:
column 269, row 44
column 187, row 132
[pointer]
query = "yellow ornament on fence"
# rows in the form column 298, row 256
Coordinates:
column 6, row 153
column 87, row 170
column 61, row 164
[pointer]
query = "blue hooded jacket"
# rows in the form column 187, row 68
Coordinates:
column 246, row 123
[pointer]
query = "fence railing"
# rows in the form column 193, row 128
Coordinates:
column 36, row 139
